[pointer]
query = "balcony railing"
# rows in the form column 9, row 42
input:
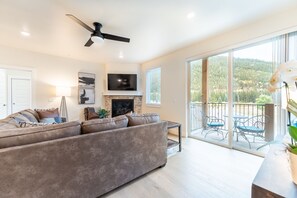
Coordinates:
column 220, row 110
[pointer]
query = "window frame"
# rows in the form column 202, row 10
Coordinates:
column 148, row 86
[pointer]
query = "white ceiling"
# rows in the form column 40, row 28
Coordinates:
column 155, row 27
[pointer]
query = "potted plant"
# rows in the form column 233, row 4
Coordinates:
column 286, row 76
column 292, row 151
column 103, row 113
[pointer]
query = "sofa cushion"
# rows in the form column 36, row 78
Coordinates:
column 8, row 123
column 104, row 124
column 22, row 136
column 139, row 119
column 30, row 115
column 48, row 113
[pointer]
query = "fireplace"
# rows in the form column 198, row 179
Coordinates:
column 121, row 106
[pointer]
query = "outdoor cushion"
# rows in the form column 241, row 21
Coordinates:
column 104, row 124
column 215, row 124
column 251, row 129
column 23, row 136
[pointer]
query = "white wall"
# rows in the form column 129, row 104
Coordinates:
column 51, row 71
column 174, row 67
column 118, row 68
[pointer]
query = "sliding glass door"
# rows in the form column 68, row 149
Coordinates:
column 229, row 101
column 254, row 112
column 209, row 99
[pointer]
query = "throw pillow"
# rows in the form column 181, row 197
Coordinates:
column 19, row 117
column 104, row 124
column 139, row 119
column 49, row 113
column 30, row 115
column 48, row 120
column 8, row 123
column 32, row 124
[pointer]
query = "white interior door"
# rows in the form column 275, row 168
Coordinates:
column 3, row 94
column 20, row 94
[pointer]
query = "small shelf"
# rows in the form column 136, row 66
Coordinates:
column 172, row 143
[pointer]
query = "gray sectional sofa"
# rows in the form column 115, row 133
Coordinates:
column 76, row 159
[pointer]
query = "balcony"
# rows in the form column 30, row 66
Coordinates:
column 220, row 110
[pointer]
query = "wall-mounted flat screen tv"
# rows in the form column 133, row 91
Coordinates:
column 120, row 82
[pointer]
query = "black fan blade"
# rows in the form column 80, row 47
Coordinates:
column 116, row 38
column 80, row 22
column 89, row 43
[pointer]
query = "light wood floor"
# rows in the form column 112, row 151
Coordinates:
column 200, row 170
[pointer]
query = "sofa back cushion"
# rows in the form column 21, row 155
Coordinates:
column 139, row 119
column 23, row 136
column 104, row 124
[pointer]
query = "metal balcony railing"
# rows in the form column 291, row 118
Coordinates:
column 220, row 110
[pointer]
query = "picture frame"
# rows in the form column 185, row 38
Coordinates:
column 86, row 88
column 86, row 79
column 86, row 95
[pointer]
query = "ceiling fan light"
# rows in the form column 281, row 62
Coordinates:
column 97, row 39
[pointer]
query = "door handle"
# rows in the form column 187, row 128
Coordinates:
column 13, row 103
column 4, row 105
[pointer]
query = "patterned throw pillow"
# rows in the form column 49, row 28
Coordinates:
column 30, row 114
column 19, row 118
column 32, row 124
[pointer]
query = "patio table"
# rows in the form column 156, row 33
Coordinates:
column 236, row 119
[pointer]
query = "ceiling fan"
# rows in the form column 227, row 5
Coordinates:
column 97, row 35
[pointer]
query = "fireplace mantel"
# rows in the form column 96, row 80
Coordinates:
column 121, row 94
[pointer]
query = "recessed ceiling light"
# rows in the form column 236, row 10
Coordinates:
column 191, row 15
column 121, row 56
column 24, row 33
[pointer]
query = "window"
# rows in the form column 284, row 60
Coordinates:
column 153, row 86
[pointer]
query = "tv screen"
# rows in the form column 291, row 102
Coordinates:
column 122, row 82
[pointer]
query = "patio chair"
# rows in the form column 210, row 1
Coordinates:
column 254, row 126
column 213, row 124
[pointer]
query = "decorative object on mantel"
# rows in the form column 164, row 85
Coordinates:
column 286, row 76
column 63, row 91
column 103, row 113
column 86, row 88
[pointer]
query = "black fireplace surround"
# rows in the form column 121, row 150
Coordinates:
column 121, row 106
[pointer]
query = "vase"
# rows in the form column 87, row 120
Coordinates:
column 293, row 166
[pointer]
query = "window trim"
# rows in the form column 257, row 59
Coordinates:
column 147, row 87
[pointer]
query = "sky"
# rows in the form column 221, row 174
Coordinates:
column 261, row 52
